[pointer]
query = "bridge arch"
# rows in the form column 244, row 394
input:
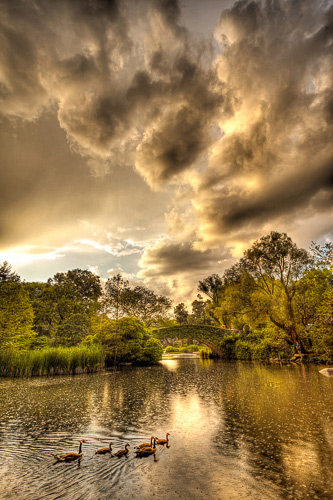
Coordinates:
column 207, row 335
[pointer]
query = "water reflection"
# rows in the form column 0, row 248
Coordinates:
column 237, row 431
column 170, row 364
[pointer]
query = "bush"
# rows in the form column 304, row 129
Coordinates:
column 152, row 352
column 261, row 345
column 190, row 348
column 127, row 340
column 227, row 346
column 171, row 348
column 73, row 330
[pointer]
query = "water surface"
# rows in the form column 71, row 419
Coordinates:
column 237, row 431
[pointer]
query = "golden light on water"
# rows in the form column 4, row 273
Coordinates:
column 189, row 415
column 301, row 461
column 170, row 364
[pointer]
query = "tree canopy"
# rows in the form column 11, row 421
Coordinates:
column 16, row 316
column 7, row 275
column 212, row 287
column 282, row 290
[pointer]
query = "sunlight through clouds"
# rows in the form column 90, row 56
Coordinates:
column 164, row 136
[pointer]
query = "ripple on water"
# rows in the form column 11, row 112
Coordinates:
column 237, row 431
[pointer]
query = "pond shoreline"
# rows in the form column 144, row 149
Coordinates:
column 173, row 356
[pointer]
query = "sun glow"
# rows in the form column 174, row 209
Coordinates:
column 238, row 248
column 26, row 255
column 252, row 183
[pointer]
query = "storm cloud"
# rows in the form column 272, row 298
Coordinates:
column 122, row 124
column 275, row 155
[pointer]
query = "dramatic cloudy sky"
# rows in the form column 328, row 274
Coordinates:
column 162, row 137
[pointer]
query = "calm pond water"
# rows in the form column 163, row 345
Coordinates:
column 237, row 431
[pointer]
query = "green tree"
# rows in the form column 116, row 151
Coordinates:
column 48, row 313
column 198, row 309
column 152, row 351
column 199, row 314
column 237, row 308
column 114, row 295
column 311, row 292
column 73, row 330
column 16, row 316
column 181, row 314
column 272, row 268
column 212, row 287
column 83, row 285
column 74, row 293
column 145, row 304
column 322, row 255
column 7, row 275
column 314, row 303
column 130, row 337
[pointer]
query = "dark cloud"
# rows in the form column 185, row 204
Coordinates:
column 276, row 156
column 169, row 9
column 79, row 57
column 170, row 258
column 282, row 197
column 190, row 100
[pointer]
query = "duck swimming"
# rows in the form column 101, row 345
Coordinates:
column 146, row 445
column 103, row 451
column 145, row 452
column 122, row 453
column 163, row 441
column 69, row 457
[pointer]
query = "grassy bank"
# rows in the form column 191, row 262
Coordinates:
column 51, row 361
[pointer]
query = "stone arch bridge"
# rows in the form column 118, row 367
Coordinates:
column 207, row 335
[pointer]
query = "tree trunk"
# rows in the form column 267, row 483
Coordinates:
column 292, row 335
column 299, row 348
column 116, row 339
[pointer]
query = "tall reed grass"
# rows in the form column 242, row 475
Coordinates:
column 51, row 361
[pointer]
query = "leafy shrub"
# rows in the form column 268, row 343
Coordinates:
column 206, row 353
column 171, row 348
column 152, row 352
column 191, row 348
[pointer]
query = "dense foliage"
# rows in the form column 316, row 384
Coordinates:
column 42, row 324
column 16, row 316
column 120, row 300
column 278, row 299
column 126, row 340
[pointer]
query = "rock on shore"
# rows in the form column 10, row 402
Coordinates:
column 328, row 372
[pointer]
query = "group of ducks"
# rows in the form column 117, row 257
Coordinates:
column 143, row 450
